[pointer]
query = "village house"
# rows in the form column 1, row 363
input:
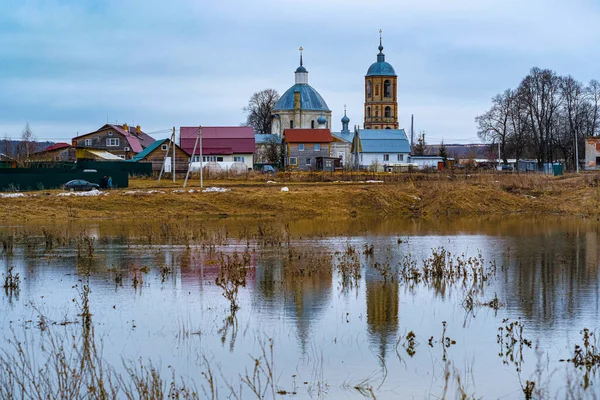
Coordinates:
column 156, row 152
column 57, row 152
column 121, row 140
column 380, row 149
column 592, row 153
column 304, row 146
column 224, row 145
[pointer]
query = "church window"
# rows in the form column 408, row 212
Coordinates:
column 312, row 124
column 387, row 127
column 368, row 88
column 387, row 88
column 368, row 112
column 376, row 113
column 291, row 124
column 376, row 90
column 388, row 112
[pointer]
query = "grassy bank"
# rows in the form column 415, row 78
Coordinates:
column 426, row 195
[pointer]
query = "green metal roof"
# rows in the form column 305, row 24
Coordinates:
column 144, row 153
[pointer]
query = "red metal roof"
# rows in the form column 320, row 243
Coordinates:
column 56, row 146
column 307, row 136
column 218, row 139
column 136, row 142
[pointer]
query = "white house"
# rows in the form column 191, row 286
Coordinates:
column 378, row 149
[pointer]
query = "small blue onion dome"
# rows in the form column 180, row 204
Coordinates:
column 321, row 120
column 301, row 69
column 345, row 119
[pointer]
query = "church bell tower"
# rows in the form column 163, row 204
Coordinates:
column 381, row 101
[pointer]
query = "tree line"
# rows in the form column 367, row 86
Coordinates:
column 542, row 118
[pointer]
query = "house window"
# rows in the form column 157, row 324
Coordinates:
column 238, row 159
column 88, row 142
column 219, row 159
column 110, row 133
column 400, row 157
column 113, row 142
column 368, row 112
column 387, row 88
column 291, row 124
column 196, row 159
column 308, row 161
column 212, row 158
column 317, row 146
column 293, row 161
column 164, row 147
column 386, row 157
column 300, row 146
column 361, row 158
column 368, row 88
column 388, row 112
column 312, row 124
column 598, row 161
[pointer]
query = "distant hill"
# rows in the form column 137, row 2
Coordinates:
column 464, row 151
column 12, row 148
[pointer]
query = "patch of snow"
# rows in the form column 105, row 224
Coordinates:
column 530, row 197
column 416, row 198
column 371, row 181
column 178, row 191
column 7, row 195
column 271, row 182
column 155, row 191
column 91, row 193
column 215, row 189
column 191, row 191
column 285, row 189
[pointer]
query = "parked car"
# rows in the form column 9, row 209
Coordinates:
column 507, row 167
column 267, row 169
column 80, row 185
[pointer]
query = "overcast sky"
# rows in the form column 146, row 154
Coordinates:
column 68, row 66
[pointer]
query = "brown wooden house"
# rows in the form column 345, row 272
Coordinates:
column 121, row 140
column 56, row 152
column 156, row 153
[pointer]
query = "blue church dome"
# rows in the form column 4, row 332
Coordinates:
column 310, row 99
column 345, row 119
column 380, row 68
column 301, row 69
column 321, row 120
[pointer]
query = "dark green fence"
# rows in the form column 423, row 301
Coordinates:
column 23, row 179
column 132, row 168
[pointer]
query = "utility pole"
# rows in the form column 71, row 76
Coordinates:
column 192, row 158
column 499, row 166
column 412, row 132
column 174, row 164
column 576, row 154
column 200, row 136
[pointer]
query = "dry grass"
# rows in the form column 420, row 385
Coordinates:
column 410, row 195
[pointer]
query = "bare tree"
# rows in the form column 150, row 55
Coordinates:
column 494, row 125
column 272, row 150
column 6, row 147
column 27, row 145
column 259, row 111
column 419, row 147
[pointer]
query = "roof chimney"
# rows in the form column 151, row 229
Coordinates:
column 138, row 130
column 126, row 128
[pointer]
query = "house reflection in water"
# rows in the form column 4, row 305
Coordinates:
column 382, row 311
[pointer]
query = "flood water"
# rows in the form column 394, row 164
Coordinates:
column 325, row 332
